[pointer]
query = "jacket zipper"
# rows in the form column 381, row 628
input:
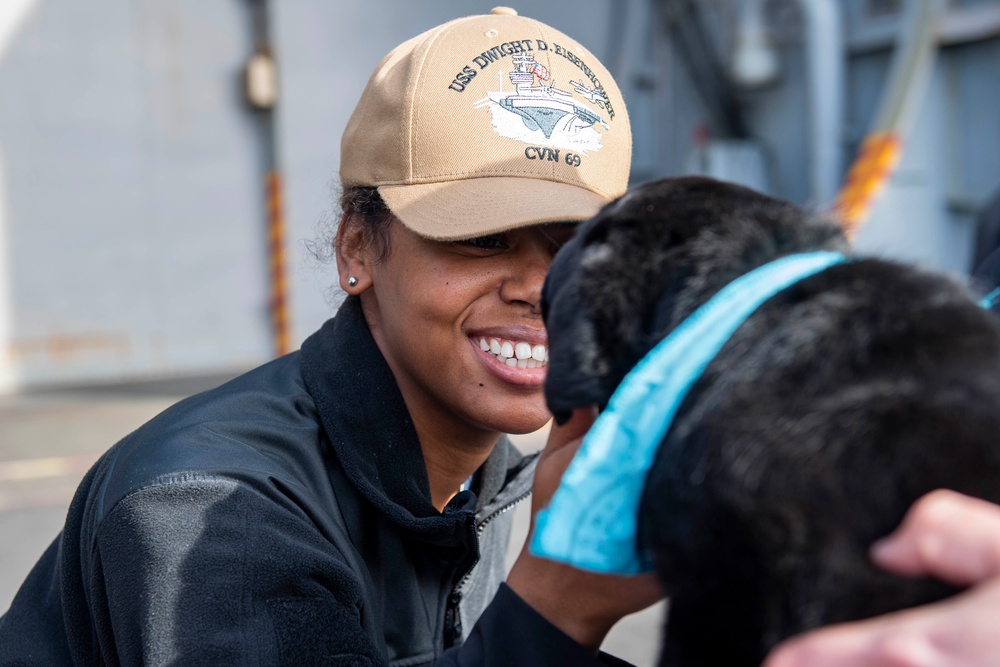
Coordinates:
column 456, row 592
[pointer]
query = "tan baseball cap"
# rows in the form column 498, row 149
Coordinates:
column 488, row 123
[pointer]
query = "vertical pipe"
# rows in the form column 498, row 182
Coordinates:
column 278, row 270
column 264, row 104
column 906, row 84
column 825, row 79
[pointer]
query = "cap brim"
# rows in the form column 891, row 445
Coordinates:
column 474, row 207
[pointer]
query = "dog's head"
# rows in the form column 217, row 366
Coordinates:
column 647, row 261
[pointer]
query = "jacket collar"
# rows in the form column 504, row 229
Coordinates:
column 370, row 430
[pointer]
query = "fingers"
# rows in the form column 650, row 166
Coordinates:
column 559, row 451
column 867, row 644
column 959, row 632
column 579, row 423
column 945, row 535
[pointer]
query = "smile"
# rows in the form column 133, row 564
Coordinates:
column 514, row 353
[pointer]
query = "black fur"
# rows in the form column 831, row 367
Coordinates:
column 836, row 405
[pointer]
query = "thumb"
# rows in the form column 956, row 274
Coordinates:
column 945, row 535
column 572, row 432
column 563, row 442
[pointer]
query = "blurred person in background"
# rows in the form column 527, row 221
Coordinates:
column 349, row 503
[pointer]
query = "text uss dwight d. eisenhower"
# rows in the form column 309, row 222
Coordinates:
column 500, row 51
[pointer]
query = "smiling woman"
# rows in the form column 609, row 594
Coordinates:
column 349, row 503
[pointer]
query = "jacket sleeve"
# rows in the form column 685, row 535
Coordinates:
column 214, row 571
column 511, row 632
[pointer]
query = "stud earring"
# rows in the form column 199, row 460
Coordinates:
column 352, row 281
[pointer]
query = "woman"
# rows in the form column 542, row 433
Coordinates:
column 348, row 503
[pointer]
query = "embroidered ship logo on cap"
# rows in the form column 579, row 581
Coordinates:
column 542, row 114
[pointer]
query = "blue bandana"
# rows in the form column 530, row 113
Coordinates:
column 592, row 521
column 990, row 299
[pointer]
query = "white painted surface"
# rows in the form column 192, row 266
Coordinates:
column 8, row 381
column 13, row 13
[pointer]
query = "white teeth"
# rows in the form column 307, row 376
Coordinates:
column 517, row 354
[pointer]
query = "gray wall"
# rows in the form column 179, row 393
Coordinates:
column 132, row 191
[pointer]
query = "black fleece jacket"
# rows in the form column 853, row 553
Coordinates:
column 283, row 518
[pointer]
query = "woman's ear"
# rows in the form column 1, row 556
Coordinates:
column 353, row 250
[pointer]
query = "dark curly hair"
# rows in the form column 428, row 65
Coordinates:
column 366, row 205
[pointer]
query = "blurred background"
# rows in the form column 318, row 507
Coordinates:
column 163, row 161
column 165, row 166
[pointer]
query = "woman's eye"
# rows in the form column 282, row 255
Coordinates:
column 491, row 242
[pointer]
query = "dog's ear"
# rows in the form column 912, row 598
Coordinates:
column 596, row 307
column 609, row 293
column 575, row 369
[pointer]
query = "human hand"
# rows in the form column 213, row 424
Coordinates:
column 945, row 535
column 584, row 605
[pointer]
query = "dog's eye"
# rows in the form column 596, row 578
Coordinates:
column 490, row 242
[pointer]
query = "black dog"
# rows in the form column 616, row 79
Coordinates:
column 830, row 410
